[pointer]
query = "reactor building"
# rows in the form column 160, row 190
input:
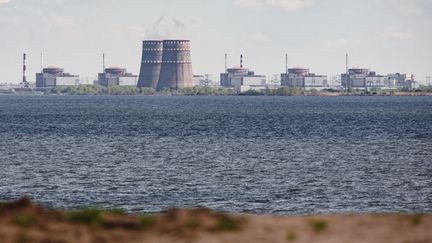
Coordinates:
column 363, row 78
column 51, row 77
column 166, row 64
column 242, row 79
column 115, row 76
column 303, row 78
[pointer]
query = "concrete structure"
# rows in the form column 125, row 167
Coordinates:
column 403, row 80
column 379, row 81
column 362, row 78
column 151, row 64
column 249, row 82
column 302, row 78
column 318, row 82
column 166, row 64
column 233, row 73
column 355, row 78
column 53, row 76
column 242, row 79
column 176, row 71
column 117, row 76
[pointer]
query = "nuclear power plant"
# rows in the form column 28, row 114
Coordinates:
column 166, row 64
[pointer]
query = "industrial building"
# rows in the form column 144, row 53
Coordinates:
column 242, row 79
column 166, row 64
column 54, row 76
column 302, row 78
column 403, row 80
column 115, row 76
column 363, row 78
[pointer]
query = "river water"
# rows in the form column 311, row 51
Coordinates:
column 266, row 155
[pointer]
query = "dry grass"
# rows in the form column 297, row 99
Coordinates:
column 23, row 222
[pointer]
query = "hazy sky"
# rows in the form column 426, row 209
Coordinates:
column 384, row 35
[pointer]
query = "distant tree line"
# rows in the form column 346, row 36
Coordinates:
column 219, row 91
column 131, row 90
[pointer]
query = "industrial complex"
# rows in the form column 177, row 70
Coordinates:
column 167, row 64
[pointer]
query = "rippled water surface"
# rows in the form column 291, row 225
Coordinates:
column 280, row 155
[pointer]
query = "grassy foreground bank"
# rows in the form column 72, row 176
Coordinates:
column 22, row 221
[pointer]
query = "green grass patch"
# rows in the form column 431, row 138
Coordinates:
column 291, row 236
column 192, row 223
column 85, row 216
column 416, row 219
column 318, row 226
column 227, row 223
column 147, row 221
column 24, row 220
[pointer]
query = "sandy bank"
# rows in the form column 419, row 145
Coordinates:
column 22, row 221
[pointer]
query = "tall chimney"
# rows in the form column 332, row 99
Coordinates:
column 24, row 79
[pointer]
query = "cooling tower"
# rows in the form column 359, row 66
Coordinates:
column 176, row 71
column 151, row 64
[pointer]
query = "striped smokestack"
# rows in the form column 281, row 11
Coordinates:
column 24, row 80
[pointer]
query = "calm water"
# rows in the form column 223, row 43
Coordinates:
column 280, row 155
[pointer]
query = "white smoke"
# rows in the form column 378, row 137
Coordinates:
column 164, row 28
column 287, row 5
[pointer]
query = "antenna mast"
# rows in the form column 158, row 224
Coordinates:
column 347, row 78
column 41, row 62
column 103, row 63
column 226, row 62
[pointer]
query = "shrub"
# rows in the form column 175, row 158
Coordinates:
column 192, row 223
column 147, row 221
column 252, row 92
column 85, row 216
column 24, row 220
column 291, row 236
column 226, row 223
column 318, row 225
column 416, row 219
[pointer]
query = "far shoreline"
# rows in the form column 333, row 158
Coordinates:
column 97, row 90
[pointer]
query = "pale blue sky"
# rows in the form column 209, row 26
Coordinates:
column 384, row 35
